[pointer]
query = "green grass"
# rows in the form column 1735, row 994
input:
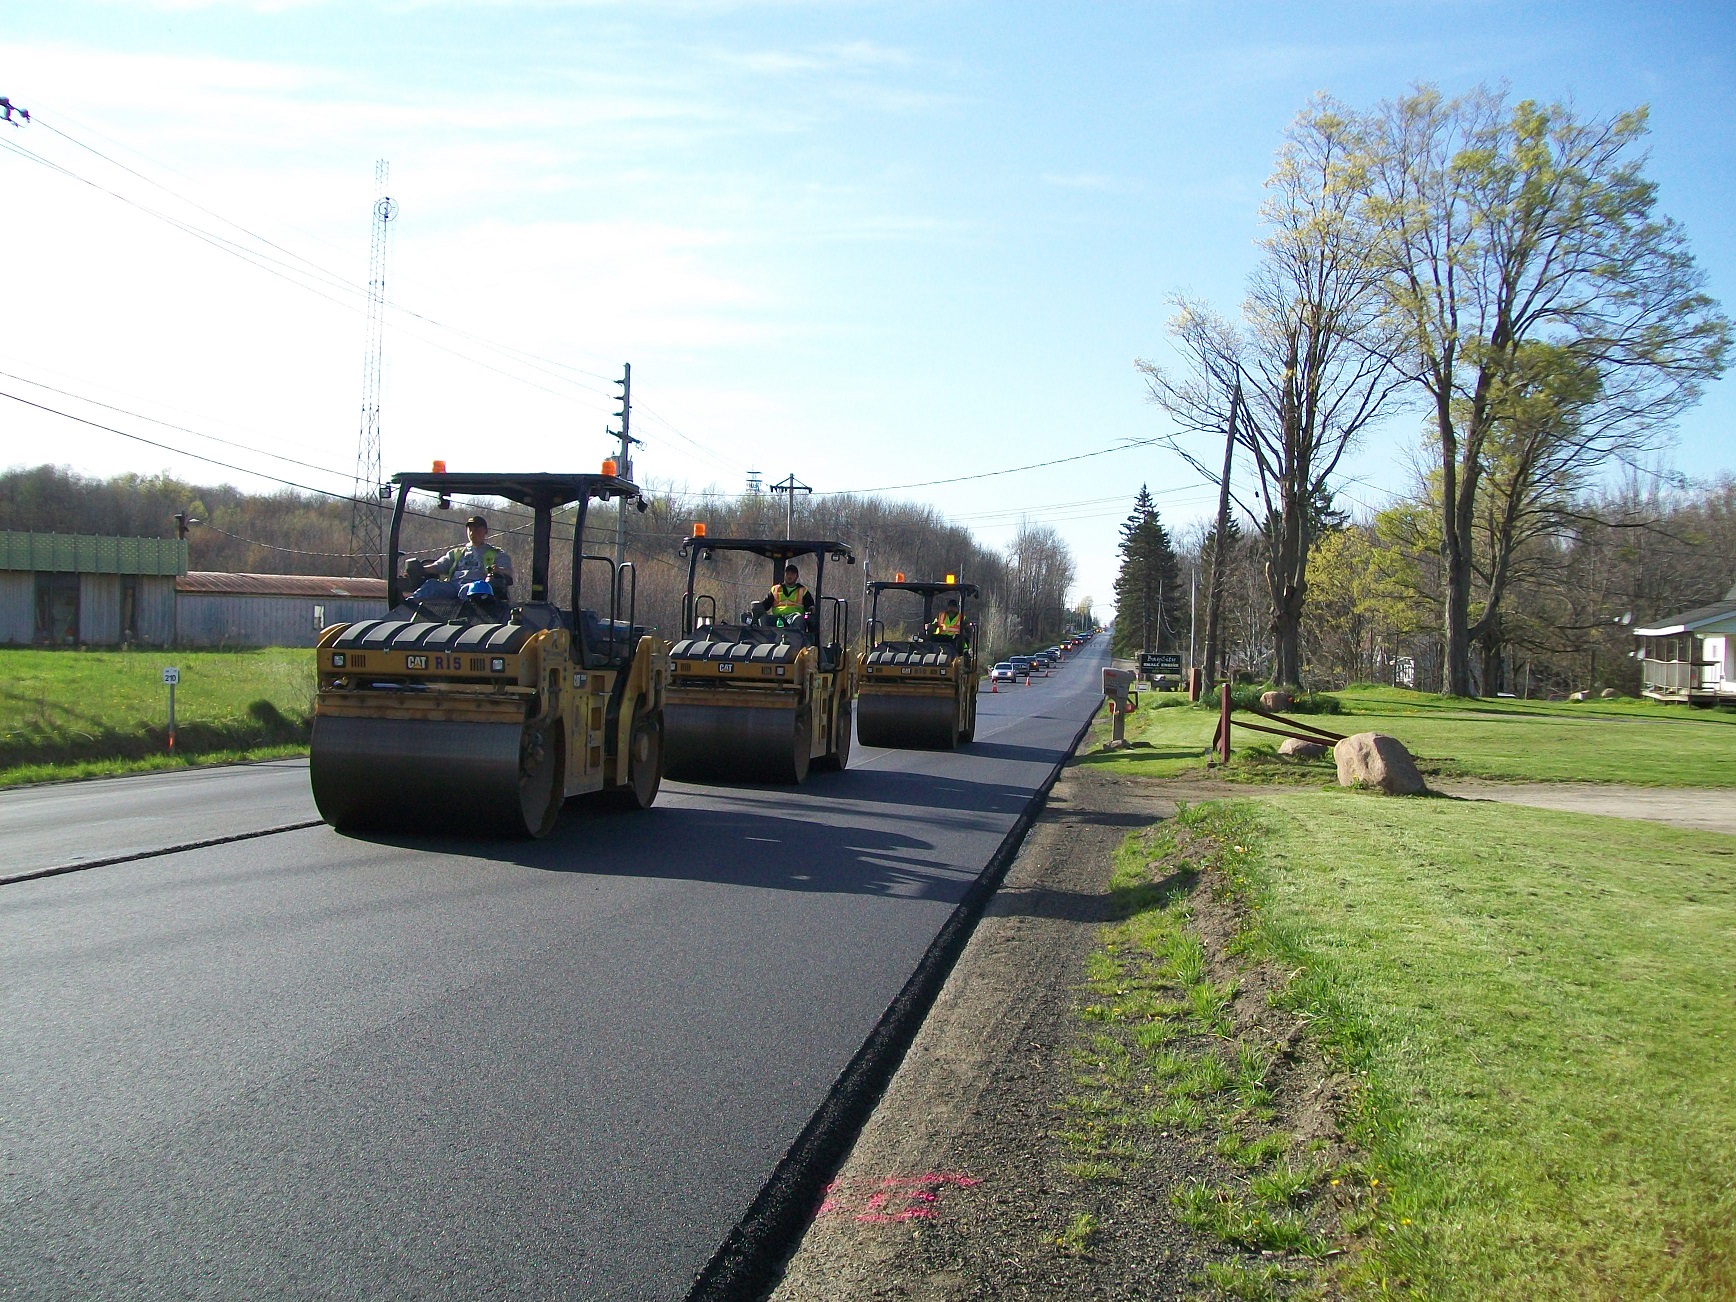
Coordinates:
column 1628, row 741
column 1534, row 1010
column 67, row 714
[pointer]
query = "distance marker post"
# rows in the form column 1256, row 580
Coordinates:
column 171, row 677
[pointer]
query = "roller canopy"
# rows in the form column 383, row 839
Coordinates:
column 924, row 588
column 777, row 549
column 540, row 492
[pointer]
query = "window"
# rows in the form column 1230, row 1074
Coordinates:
column 57, row 609
column 318, row 618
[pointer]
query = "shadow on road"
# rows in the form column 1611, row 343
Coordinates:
column 729, row 847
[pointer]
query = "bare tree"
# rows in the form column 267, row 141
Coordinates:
column 1309, row 360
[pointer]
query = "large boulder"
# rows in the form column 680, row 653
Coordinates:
column 1577, row 696
column 1372, row 759
column 1275, row 700
column 1296, row 748
column 1609, row 693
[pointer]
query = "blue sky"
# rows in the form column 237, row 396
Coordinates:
column 867, row 243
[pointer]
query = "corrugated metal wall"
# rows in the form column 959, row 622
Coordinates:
column 17, row 607
column 99, row 609
column 215, row 619
column 156, row 613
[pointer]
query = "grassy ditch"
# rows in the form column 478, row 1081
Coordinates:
column 1627, row 741
column 1181, row 1048
column 1532, row 1015
column 87, row 713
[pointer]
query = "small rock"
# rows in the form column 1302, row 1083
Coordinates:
column 1296, row 748
column 1372, row 759
column 1577, row 696
column 1275, row 700
column 1609, row 693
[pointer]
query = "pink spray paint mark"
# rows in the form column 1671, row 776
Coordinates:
column 892, row 1198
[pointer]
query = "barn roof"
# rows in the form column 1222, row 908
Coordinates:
column 280, row 585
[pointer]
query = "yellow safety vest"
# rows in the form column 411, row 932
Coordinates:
column 786, row 600
column 947, row 622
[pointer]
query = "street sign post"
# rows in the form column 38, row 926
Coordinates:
column 171, row 677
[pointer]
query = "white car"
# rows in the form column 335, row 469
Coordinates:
column 1002, row 673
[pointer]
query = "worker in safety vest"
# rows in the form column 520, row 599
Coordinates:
column 949, row 622
column 789, row 601
column 454, row 575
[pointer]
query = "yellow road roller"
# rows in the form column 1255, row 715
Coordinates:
column 763, row 694
column 919, row 692
column 484, row 714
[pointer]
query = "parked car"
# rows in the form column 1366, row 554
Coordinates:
column 1021, row 666
column 1002, row 673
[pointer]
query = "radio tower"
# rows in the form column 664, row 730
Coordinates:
column 367, row 535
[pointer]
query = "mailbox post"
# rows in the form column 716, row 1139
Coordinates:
column 1118, row 691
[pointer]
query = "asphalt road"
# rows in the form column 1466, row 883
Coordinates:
column 313, row 1065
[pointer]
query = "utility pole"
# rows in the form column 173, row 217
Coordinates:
column 790, row 487
column 624, row 467
column 1193, row 583
column 1215, row 586
column 367, row 533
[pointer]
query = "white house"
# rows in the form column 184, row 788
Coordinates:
column 1692, row 656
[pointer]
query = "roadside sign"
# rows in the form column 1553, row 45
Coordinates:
column 1160, row 662
column 171, row 675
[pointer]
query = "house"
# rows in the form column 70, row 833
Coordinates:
column 1692, row 656
column 63, row 589
column 240, row 610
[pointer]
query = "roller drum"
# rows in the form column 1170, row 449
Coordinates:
column 416, row 775
column 734, row 743
column 901, row 722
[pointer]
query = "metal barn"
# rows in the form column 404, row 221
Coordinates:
column 62, row 589
column 244, row 610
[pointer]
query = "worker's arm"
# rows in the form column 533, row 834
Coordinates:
column 502, row 575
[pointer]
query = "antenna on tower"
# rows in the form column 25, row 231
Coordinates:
column 367, row 531
column 754, row 483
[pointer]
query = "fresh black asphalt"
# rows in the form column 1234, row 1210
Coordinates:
column 312, row 1065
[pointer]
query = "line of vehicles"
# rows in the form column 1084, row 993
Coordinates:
column 476, row 716
column 1039, row 664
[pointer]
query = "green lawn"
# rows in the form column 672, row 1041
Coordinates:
column 1537, row 1014
column 1638, row 742
column 74, row 713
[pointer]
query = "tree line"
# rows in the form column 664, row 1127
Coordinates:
column 1024, row 585
column 1498, row 268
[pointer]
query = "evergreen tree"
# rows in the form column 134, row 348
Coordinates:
column 1148, row 591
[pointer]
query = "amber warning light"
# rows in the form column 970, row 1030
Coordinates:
column 899, row 579
column 952, row 578
column 440, row 467
column 609, row 465
column 698, row 529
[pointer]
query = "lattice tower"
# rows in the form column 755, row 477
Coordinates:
column 367, row 512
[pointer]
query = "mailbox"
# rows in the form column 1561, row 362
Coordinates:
column 1118, row 687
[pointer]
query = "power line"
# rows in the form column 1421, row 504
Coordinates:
column 1128, row 445
column 183, row 429
column 337, row 281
